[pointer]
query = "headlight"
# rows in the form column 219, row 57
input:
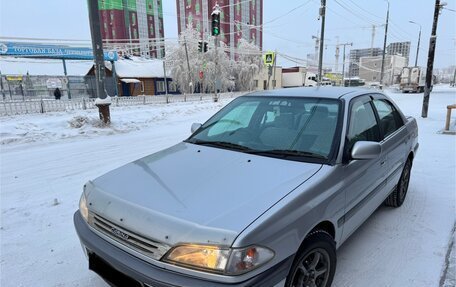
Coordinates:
column 219, row 260
column 211, row 258
column 83, row 207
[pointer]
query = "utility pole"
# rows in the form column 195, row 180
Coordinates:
column 430, row 62
column 336, row 67
column 189, row 74
column 372, row 40
column 384, row 45
column 343, row 63
column 418, row 46
column 165, row 78
column 322, row 39
column 102, row 101
column 317, row 46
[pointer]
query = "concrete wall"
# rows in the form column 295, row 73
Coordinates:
column 261, row 80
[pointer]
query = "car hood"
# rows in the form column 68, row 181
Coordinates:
column 193, row 193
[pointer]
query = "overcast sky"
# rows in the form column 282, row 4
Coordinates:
column 349, row 20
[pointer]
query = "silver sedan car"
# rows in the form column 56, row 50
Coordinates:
column 262, row 194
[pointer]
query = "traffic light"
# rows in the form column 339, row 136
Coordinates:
column 215, row 24
column 202, row 46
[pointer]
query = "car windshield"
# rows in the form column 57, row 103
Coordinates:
column 288, row 127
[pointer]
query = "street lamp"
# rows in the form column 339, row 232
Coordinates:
column 384, row 44
column 417, row 47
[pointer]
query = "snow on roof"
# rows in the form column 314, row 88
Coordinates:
column 136, row 67
column 130, row 80
column 50, row 67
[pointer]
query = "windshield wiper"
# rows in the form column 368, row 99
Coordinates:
column 220, row 144
column 287, row 153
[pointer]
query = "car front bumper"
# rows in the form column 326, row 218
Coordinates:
column 120, row 268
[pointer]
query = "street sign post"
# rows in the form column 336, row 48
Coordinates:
column 268, row 59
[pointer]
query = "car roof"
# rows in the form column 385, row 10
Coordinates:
column 316, row 92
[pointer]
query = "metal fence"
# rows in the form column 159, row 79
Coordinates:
column 30, row 106
column 28, row 87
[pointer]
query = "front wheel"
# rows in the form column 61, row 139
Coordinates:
column 315, row 263
column 397, row 197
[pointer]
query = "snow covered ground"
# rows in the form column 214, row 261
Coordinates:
column 46, row 158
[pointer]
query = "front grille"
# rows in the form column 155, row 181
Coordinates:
column 148, row 247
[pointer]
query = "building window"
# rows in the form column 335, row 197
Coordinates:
column 151, row 29
column 255, row 83
column 113, row 33
column 133, row 18
column 197, row 8
column 111, row 16
column 135, row 33
column 172, row 87
column 105, row 25
column 160, row 86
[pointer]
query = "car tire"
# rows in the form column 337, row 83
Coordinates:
column 315, row 262
column 397, row 197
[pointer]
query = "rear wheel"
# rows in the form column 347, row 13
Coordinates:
column 397, row 197
column 315, row 263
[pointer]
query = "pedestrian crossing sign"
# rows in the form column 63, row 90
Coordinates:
column 269, row 58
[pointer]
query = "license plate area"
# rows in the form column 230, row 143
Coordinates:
column 109, row 274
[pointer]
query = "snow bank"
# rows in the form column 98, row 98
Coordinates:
column 52, row 127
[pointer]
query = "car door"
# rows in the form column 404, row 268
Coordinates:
column 363, row 179
column 394, row 138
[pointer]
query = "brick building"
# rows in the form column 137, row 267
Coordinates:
column 133, row 26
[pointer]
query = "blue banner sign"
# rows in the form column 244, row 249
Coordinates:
column 51, row 51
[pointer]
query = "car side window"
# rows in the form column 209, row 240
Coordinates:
column 362, row 124
column 390, row 119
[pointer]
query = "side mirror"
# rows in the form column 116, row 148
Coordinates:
column 366, row 150
column 195, row 126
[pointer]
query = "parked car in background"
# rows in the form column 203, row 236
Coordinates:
column 262, row 194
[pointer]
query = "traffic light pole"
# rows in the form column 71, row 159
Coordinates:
column 216, row 32
column 102, row 101
column 216, row 69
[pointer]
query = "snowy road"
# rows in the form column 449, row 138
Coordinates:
column 41, row 183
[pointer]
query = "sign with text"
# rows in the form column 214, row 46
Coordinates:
column 51, row 51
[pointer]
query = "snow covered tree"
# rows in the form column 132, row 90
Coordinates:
column 177, row 58
column 221, row 73
column 248, row 64
column 215, row 66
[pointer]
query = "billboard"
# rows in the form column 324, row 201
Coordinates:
column 51, row 51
